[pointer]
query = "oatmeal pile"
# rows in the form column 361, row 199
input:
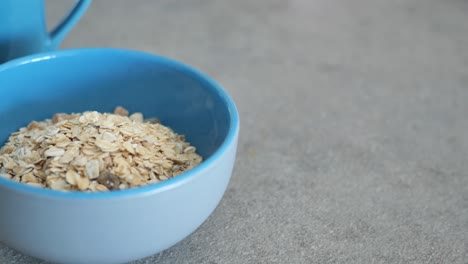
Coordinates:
column 94, row 151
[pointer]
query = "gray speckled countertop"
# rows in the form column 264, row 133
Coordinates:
column 354, row 123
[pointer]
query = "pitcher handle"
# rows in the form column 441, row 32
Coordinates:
column 59, row 32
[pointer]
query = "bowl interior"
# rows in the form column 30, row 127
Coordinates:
column 82, row 80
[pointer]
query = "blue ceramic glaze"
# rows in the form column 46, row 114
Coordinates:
column 115, row 227
column 23, row 29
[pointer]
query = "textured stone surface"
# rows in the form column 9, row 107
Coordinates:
column 353, row 145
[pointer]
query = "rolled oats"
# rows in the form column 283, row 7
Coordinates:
column 95, row 152
column 54, row 152
column 121, row 111
column 138, row 117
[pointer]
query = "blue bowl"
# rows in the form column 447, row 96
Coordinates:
column 121, row 226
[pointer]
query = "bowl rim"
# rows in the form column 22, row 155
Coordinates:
column 206, row 81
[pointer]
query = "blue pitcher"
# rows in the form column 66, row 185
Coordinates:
column 23, row 27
